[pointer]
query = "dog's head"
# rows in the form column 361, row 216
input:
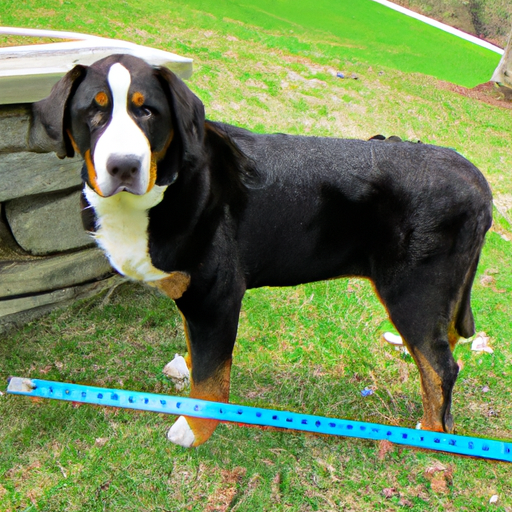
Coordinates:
column 134, row 125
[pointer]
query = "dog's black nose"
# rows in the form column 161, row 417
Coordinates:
column 124, row 168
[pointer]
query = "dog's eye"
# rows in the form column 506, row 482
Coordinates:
column 101, row 99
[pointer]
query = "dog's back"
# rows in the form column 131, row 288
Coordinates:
column 349, row 207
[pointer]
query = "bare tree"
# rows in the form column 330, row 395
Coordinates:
column 503, row 73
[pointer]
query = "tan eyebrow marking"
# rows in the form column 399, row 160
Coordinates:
column 101, row 99
column 138, row 99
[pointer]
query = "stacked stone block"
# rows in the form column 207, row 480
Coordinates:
column 46, row 258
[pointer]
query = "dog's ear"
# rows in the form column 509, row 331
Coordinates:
column 49, row 116
column 231, row 164
column 187, row 113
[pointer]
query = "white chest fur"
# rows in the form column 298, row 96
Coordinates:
column 122, row 231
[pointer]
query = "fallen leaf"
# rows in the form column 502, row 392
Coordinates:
column 385, row 447
column 436, row 468
column 439, row 484
column 486, row 280
column 103, row 487
column 33, row 495
column 489, row 281
column 234, row 476
column 389, row 492
column 481, row 343
column 441, row 477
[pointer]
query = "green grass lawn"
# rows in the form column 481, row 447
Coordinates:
column 309, row 349
column 361, row 31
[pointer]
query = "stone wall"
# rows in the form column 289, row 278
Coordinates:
column 46, row 258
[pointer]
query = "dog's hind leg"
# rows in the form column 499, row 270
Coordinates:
column 211, row 332
column 428, row 292
column 426, row 305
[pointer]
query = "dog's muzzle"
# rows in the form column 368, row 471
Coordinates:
column 124, row 174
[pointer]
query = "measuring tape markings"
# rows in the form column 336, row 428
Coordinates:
column 151, row 402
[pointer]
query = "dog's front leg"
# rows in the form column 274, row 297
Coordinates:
column 210, row 329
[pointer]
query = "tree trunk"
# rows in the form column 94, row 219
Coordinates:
column 503, row 73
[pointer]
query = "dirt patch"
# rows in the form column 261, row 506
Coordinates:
column 488, row 92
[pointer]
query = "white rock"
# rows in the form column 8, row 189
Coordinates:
column 178, row 372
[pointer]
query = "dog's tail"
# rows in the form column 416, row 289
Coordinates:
column 464, row 321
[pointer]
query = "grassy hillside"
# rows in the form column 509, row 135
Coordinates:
column 491, row 19
column 366, row 32
column 362, row 31
column 311, row 348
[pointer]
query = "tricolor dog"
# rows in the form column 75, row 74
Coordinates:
column 204, row 210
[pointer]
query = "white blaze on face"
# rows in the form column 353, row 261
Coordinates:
column 122, row 137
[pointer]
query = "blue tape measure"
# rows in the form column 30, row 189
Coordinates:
column 461, row 445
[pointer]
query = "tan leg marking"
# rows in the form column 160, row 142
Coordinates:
column 214, row 389
column 453, row 336
column 431, row 393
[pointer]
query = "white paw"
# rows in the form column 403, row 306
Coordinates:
column 178, row 372
column 180, row 433
column 393, row 338
column 396, row 341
